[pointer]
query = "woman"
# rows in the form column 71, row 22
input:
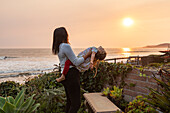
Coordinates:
column 71, row 83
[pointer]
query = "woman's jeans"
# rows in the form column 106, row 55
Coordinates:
column 72, row 89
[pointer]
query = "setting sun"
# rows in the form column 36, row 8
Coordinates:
column 126, row 49
column 128, row 22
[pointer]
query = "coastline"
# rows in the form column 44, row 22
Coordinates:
column 18, row 79
column 22, row 77
column 17, row 67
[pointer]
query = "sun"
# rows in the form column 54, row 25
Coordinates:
column 128, row 22
column 126, row 49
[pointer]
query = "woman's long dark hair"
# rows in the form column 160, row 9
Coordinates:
column 60, row 36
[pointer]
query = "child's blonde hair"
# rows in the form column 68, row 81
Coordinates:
column 96, row 65
column 98, row 57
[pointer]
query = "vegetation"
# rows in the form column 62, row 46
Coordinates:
column 106, row 91
column 17, row 105
column 51, row 95
column 9, row 88
column 107, row 74
column 48, row 92
column 156, row 65
column 139, row 106
column 160, row 99
column 115, row 95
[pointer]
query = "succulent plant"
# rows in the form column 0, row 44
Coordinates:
column 138, row 105
column 18, row 105
column 160, row 99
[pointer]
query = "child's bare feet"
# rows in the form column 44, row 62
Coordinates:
column 61, row 78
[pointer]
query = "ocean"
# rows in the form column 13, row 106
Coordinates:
column 35, row 61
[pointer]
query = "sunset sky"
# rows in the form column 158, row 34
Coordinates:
column 30, row 23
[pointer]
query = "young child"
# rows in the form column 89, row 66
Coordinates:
column 97, row 54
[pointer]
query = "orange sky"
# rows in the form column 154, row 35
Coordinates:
column 30, row 23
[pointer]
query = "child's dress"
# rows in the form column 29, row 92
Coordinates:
column 85, row 65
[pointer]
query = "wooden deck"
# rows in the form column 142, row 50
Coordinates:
column 99, row 103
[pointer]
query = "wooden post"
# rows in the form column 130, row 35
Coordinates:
column 130, row 61
column 138, row 60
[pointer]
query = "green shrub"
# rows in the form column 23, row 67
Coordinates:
column 106, row 74
column 138, row 105
column 9, row 88
column 117, row 97
column 48, row 93
column 160, row 99
column 51, row 95
column 157, row 65
column 106, row 91
column 17, row 105
column 116, row 93
column 52, row 100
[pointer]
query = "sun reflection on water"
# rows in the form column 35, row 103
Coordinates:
column 126, row 52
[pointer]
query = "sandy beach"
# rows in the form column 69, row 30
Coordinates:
column 22, row 77
column 18, row 79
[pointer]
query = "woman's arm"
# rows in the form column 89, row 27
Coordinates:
column 72, row 57
column 92, row 57
column 92, row 60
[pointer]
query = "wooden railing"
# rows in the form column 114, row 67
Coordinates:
column 137, row 59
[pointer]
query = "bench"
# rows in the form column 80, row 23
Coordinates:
column 99, row 103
